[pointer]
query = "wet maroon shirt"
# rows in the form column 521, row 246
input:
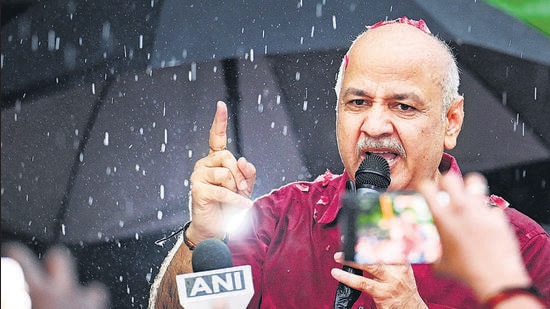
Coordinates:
column 292, row 235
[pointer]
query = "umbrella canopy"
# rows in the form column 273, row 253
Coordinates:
column 100, row 143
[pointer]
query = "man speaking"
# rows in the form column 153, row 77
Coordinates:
column 397, row 97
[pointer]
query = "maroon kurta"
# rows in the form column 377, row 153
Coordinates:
column 291, row 236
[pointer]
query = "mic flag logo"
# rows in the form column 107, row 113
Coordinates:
column 220, row 288
column 215, row 283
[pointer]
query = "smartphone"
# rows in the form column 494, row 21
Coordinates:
column 389, row 228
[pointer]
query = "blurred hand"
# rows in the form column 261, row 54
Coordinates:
column 54, row 284
column 391, row 286
column 479, row 246
column 220, row 184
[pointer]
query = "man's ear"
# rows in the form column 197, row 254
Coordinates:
column 454, row 117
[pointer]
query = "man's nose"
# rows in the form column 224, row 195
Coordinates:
column 377, row 122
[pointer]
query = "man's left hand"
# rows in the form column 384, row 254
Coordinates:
column 390, row 286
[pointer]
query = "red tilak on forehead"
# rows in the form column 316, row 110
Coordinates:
column 419, row 24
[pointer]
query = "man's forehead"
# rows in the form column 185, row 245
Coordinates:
column 419, row 24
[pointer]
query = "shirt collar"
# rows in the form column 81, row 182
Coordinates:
column 332, row 197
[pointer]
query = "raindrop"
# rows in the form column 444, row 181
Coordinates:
column 108, row 170
column 148, row 277
column 106, row 31
column 469, row 28
column 297, row 76
column 304, row 106
column 90, row 200
column 319, row 10
column 260, row 108
column 163, row 148
column 93, row 88
column 334, row 22
column 161, row 192
column 312, row 31
column 535, row 95
column 278, row 100
column 272, row 125
column 63, row 229
column 186, row 183
column 120, row 223
column 81, row 157
column 251, row 55
column 137, row 238
column 259, row 99
column 190, row 153
column 165, row 136
column 137, row 167
column 106, row 139
column 174, row 77
column 141, row 41
column 51, row 40
column 159, row 215
column 285, row 130
column 504, row 98
column 34, row 42
column 193, row 72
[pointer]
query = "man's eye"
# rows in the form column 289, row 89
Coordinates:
column 405, row 107
column 358, row 102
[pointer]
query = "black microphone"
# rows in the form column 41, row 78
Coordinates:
column 215, row 282
column 372, row 177
column 211, row 254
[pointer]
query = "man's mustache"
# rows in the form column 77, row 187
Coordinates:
column 387, row 144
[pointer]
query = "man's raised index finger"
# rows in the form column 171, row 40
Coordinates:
column 218, row 131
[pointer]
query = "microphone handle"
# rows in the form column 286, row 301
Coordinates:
column 345, row 295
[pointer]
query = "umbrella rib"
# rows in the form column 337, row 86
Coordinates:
column 62, row 212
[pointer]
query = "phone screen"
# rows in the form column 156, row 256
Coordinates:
column 393, row 228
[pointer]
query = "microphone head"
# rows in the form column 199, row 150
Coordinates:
column 373, row 172
column 211, row 254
